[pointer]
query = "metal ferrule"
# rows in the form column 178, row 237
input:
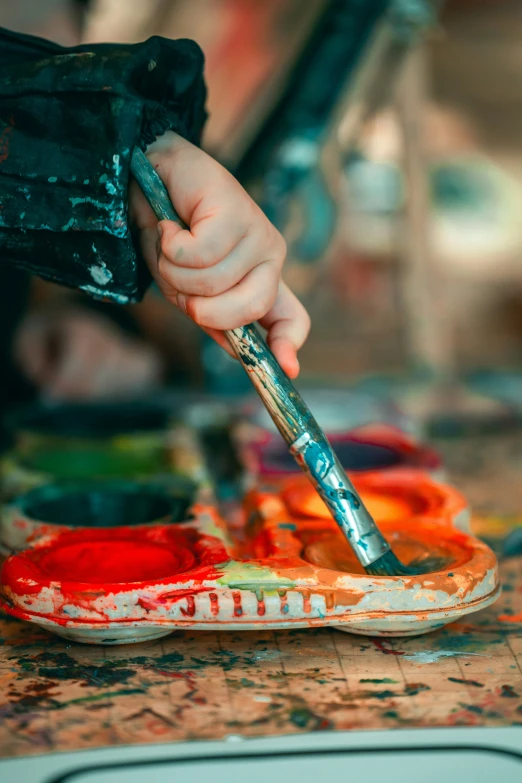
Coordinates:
column 330, row 480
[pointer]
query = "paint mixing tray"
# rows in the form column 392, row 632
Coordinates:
column 291, row 569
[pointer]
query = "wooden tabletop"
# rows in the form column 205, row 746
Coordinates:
column 55, row 695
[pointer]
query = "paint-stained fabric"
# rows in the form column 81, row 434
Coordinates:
column 69, row 119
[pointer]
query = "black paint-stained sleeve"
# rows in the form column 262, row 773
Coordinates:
column 69, row 119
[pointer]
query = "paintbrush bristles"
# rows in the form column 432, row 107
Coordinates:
column 390, row 565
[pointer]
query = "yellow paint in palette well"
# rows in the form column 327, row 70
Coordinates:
column 383, row 508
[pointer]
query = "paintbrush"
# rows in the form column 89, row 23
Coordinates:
column 307, row 442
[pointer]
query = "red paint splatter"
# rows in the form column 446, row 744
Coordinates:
column 386, row 650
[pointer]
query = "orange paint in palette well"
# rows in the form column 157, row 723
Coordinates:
column 395, row 497
column 382, row 508
column 426, row 540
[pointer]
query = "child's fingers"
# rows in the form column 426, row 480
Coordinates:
column 216, row 279
column 211, row 237
column 288, row 325
column 248, row 301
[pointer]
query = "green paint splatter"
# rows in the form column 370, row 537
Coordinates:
column 380, row 695
column 384, row 681
column 301, row 717
column 472, row 708
column 508, row 692
column 474, row 683
column 102, row 696
column 165, row 660
column 60, row 666
column 414, row 688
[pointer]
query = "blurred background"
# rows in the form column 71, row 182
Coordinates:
column 382, row 138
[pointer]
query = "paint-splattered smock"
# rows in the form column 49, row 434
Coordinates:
column 69, row 119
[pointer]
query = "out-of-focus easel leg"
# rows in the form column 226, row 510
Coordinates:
column 427, row 322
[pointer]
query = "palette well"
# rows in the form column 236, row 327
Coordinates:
column 291, row 569
column 391, row 496
column 369, row 448
column 72, row 442
column 91, row 504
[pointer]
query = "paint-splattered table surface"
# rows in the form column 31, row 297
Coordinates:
column 60, row 696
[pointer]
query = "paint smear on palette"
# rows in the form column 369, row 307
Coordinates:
column 432, row 656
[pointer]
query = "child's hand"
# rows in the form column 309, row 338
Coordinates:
column 226, row 270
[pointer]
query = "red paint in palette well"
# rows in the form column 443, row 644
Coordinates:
column 89, row 562
column 99, row 562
